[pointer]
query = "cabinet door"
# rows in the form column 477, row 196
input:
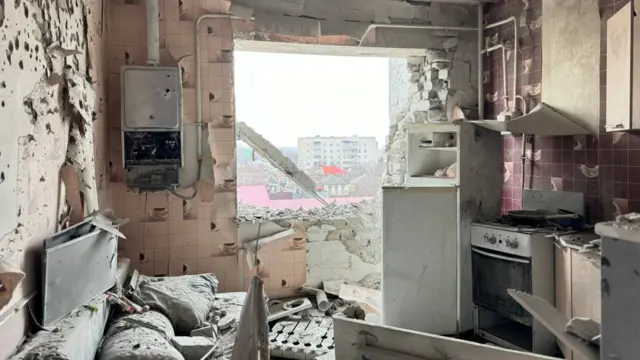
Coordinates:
column 585, row 288
column 563, row 289
column 619, row 69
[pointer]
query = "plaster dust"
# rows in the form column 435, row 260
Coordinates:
column 187, row 300
column 147, row 337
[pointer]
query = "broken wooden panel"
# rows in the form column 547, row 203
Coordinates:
column 355, row 339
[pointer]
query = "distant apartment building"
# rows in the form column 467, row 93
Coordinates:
column 348, row 153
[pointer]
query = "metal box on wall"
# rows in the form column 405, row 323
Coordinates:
column 151, row 98
column 152, row 128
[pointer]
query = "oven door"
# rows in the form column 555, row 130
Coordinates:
column 493, row 274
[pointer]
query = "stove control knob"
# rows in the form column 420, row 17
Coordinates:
column 507, row 242
column 514, row 244
column 486, row 238
column 492, row 240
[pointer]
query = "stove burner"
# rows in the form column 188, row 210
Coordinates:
column 509, row 224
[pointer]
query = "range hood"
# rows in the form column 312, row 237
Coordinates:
column 541, row 120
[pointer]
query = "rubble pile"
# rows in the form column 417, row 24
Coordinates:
column 332, row 211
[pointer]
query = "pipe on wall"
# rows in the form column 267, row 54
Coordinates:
column 505, row 89
column 515, row 54
column 153, row 33
column 480, row 63
column 199, row 123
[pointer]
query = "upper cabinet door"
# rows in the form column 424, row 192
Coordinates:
column 619, row 69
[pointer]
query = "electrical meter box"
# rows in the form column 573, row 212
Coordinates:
column 151, row 116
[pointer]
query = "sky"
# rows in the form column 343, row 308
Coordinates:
column 286, row 96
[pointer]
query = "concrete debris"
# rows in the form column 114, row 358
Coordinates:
column 283, row 309
column 584, row 328
column 372, row 298
column 303, row 339
column 210, row 331
column 56, row 51
column 332, row 286
column 10, row 278
column 630, row 221
column 332, row 211
column 193, row 348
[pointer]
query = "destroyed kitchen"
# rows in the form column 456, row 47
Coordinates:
column 304, row 179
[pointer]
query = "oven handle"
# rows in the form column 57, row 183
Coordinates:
column 502, row 257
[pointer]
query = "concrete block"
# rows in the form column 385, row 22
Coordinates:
column 443, row 74
column 436, row 55
column 425, row 105
column 431, row 74
column 415, row 60
column 437, row 115
column 193, row 348
column 415, row 97
column 415, row 76
column 209, row 331
column 416, row 87
column 450, row 43
column 433, row 85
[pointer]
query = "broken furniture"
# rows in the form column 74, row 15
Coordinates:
column 78, row 264
column 619, row 283
column 77, row 335
column 577, row 281
column 553, row 320
column 426, row 231
column 356, row 340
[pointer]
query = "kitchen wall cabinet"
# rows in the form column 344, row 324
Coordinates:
column 623, row 70
column 577, row 287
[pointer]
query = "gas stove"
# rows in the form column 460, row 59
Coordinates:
column 507, row 224
column 511, row 256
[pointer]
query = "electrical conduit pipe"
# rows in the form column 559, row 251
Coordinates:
column 153, row 33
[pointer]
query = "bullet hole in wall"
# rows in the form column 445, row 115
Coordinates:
column 21, row 64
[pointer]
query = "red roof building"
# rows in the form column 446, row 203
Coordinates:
column 332, row 170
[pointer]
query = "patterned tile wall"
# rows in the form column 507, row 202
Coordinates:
column 166, row 235
column 606, row 168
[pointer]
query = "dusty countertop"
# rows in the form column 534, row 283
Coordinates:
column 581, row 241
